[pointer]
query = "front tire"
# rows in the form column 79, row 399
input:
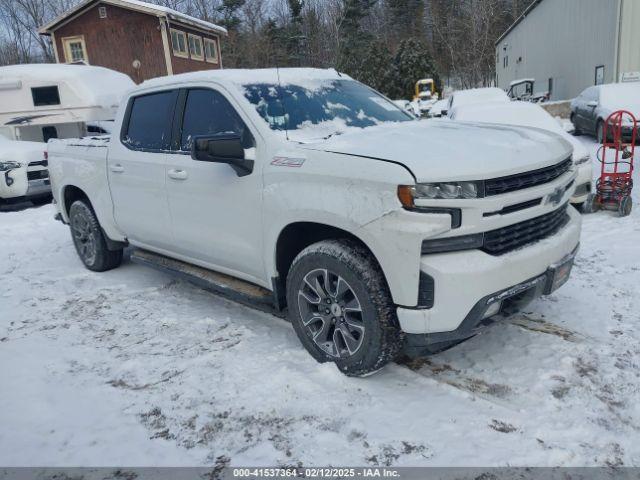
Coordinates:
column 89, row 239
column 341, row 308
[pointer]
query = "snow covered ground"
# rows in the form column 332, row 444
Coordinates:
column 132, row 367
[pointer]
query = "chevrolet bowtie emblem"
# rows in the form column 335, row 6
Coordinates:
column 556, row 197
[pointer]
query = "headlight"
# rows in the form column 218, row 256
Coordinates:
column 445, row 190
column 6, row 166
column 582, row 161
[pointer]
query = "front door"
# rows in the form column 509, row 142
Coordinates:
column 137, row 170
column 216, row 215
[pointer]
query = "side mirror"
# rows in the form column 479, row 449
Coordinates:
column 222, row 148
column 592, row 103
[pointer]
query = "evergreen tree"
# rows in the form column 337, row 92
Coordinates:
column 231, row 48
column 229, row 14
column 274, row 41
column 375, row 67
column 296, row 44
column 411, row 63
column 355, row 40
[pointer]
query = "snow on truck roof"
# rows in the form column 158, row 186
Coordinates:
column 306, row 77
column 137, row 5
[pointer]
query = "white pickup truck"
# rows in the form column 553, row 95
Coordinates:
column 307, row 191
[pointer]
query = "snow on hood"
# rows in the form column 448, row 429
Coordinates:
column 443, row 150
column 517, row 113
column 21, row 152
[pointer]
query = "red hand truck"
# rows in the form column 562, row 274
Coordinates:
column 613, row 188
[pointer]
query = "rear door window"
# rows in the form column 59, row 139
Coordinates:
column 149, row 121
column 208, row 112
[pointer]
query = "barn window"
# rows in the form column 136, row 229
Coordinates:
column 102, row 12
column 179, row 43
column 75, row 49
column 210, row 50
column 195, row 47
column 45, row 96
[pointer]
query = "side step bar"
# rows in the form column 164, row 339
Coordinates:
column 228, row 287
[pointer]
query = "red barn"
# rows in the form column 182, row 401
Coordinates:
column 133, row 37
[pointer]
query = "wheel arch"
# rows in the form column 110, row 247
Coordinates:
column 71, row 193
column 297, row 236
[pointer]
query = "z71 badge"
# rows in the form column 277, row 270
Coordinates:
column 287, row 162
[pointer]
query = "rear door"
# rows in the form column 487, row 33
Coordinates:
column 136, row 169
column 216, row 215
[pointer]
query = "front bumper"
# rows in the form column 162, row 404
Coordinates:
column 463, row 279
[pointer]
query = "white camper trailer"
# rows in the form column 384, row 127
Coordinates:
column 39, row 102
column 45, row 101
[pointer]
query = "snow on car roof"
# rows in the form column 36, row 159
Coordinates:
column 476, row 95
column 307, row 77
column 141, row 6
column 619, row 95
column 521, row 80
column 512, row 113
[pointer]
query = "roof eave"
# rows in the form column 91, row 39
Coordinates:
column 49, row 28
column 526, row 12
column 182, row 20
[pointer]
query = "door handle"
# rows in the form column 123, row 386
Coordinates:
column 117, row 168
column 177, row 174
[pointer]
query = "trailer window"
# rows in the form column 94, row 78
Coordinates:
column 44, row 96
column 149, row 120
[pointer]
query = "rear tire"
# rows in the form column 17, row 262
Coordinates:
column 89, row 239
column 341, row 308
column 625, row 206
column 576, row 131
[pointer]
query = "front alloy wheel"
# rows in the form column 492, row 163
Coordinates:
column 331, row 311
column 341, row 308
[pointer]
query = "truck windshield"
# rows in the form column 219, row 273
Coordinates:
column 332, row 106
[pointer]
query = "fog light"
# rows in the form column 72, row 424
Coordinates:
column 493, row 309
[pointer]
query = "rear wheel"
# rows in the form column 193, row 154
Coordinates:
column 341, row 308
column 89, row 239
column 625, row 206
column 576, row 130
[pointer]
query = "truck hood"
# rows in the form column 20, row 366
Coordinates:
column 442, row 150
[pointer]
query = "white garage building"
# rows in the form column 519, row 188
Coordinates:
column 568, row 45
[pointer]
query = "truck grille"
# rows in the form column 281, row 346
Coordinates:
column 511, row 183
column 38, row 175
column 506, row 239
